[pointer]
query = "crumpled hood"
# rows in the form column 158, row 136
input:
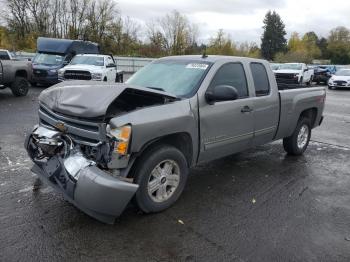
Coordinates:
column 90, row 100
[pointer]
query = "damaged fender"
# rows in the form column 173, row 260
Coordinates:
column 89, row 188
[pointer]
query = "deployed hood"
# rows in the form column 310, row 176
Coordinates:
column 287, row 71
column 91, row 100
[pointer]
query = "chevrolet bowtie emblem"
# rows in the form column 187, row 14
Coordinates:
column 60, row 126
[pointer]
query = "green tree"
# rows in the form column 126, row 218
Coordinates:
column 273, row 39
column 221, row 44
column 339, row 45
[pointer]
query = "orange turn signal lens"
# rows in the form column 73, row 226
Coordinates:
column 122, row 148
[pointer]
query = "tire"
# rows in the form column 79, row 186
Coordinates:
column 105, row 79
column 330, row 87
column 297, row 143
column 301, row 81
column 155, row 200
column 310, row 82
column 20, row 86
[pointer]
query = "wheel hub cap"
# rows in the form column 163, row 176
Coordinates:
column 303, row 136
column 163, row 181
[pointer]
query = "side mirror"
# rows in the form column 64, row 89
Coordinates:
column 221, row 93
column 305, row 70
column 65, row 62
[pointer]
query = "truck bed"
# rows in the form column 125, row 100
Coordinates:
column 293, row 102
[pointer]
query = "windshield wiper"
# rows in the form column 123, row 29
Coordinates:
column 156, row 88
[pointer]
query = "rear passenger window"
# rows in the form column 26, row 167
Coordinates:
column 232, row 74
column 261, row 81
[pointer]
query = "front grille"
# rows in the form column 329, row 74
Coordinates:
column 81, row 131
column 340, row 83
column 40, row 72
column 284, row 76
column 77, row 75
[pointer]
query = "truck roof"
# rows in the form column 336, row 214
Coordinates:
column 213, row 58
column 63, row 46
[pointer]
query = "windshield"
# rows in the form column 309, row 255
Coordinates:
column 344, row 72
column 275, row 66
column 87, row 60
column 48, row 59
column 290, row 66
column 178, row 77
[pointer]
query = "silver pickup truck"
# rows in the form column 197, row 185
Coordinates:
column 103, row 144
column 15, row 75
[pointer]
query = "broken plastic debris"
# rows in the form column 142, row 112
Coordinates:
column 253, row 201
column 180, row 222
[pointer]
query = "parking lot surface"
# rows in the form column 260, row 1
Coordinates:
column 260, row 205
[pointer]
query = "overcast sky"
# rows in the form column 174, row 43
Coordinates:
column 242, row 19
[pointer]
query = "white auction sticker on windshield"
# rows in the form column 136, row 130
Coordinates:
column 197, row 66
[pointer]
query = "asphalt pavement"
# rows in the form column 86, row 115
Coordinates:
column 259, row 205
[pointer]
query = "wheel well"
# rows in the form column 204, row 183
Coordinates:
column 21, row 73
column 181, row 141
column 311, row 114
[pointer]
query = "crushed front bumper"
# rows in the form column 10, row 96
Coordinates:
column 93, row 191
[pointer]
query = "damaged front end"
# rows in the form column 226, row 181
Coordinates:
column 75, row 158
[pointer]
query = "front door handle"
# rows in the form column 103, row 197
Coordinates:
column 246, row 109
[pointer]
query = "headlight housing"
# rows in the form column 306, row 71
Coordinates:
column 53, row 71
column 60, row 73
column 121, row 136
column 96, row 76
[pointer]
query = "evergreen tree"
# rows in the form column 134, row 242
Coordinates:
column 273, row 39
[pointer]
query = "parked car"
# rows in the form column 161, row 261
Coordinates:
column 323, row 73
column 275, row 66
column 102, row 144
column 294, row 73
column 91, row 67
column 53, row 54
column 6, row 55
column 15, row 75
column 340, row 79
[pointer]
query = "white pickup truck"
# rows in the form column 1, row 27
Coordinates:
column 294, row 73
column 6, row 55
column 91, row 67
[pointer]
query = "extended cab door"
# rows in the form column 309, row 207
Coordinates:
column 306, row 73
column 226, row 127
column 111, row 69
column 266, row 103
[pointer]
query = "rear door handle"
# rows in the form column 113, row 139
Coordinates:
column 246, row 109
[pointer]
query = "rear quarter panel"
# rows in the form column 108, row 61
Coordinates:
column 294, row 102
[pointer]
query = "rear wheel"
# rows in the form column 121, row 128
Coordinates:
column 297, row 143
column 161, row 174
column 20, row 86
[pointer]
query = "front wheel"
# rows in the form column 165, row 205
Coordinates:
column 20, row 86
column 297, row 143
column 161, row 174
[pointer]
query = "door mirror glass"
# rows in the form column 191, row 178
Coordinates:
column 221, row 93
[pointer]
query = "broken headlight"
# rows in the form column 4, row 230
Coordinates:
column 122, row 137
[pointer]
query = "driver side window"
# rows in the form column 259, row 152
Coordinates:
column 109, row 61
column 232, row 74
